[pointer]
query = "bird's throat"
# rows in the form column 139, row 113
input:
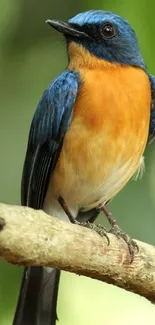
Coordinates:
column 80, row 57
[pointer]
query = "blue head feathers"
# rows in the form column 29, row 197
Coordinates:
column 105, row 35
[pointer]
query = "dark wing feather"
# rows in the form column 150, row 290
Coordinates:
column 152, row 117
column 49, row 125
column 39, row 290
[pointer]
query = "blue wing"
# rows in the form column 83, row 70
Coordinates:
column 49, row 125
column 152, row 118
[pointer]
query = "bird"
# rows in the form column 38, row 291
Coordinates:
column 86, row 140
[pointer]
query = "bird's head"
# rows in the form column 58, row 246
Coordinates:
column 103, row 35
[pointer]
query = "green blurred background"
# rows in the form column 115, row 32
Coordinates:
column 31, row 55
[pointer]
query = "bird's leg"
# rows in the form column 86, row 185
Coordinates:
column 97, row 228
column 65, row 208
column 116, row 230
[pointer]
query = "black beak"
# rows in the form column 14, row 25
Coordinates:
column 66, row 28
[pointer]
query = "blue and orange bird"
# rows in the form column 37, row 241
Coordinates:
column 86, row 139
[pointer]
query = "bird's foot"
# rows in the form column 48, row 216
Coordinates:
column 119, row 233
column 132, row 245
column 97, row 228
column 115, row 229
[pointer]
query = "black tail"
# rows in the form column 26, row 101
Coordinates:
column 38, row 297
column 37, row 300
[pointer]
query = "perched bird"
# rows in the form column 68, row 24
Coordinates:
column 86, row 139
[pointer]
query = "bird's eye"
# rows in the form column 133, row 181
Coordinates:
column 108, row 30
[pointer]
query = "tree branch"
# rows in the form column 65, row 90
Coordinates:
column 30, row 237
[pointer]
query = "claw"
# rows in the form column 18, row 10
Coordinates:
column 97, row 228
column 117, row 231
column 132, row 245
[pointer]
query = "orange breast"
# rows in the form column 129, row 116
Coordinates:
column 107, row 136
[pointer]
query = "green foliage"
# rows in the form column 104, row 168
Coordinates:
column 31, row 55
